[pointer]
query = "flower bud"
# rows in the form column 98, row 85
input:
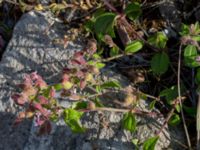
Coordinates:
column 67, row 85
column 89, row 77
column 91, row 105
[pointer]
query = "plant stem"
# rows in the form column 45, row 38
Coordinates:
column 198, row 122
column 110, row 6
column 135, row 111
column 115, row 57
column 179, row 98
column 166, row 120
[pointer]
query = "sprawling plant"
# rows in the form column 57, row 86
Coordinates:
column 117, row 35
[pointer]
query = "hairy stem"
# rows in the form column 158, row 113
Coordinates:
column 115, row 57
column 179, row 98
column 136, row 111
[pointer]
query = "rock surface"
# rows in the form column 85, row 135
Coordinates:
column 32, row 49
column 169, row 10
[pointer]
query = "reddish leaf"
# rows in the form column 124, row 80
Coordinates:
column 40, row 83
column 75, row 62
column 19, row 99
column 65, row 77
column 43, row 100
column 79, row 54
column 78, row 59
column 81, row 60
column 75, row 97
column 29, row 91
column 42, row 110
column 52, row 92
column 82, row 84
column 66, row 70
column 27, row 82
column 80, row 74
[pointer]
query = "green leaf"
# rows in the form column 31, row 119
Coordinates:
column 159, row 40
column 98, row 12
column 46, row 92
column 197, row 77
column 170, row 94
column 75, row 126
column 133, row 10
column 129, row 122
column 196, row 38
column 104, row 24
column 99, row 65
column 110, row 84
column 133, row 47
column 160, row 63
column 136, row 143
column 185, row 30
column 196, row 28
column 150, row 143
column 190, row 50
column 80, row 105
column 54, row 117
column 98, row 102
column 98, row 88
column 152, row 104
column 114, row 51
column 58, row 87
column 178, row 108
column 143, row 96
column 96, row 56
column 190, row 54
column 71, row 118
column 72, row 114
column 174, row 120
column 192, row 111
column 89, row 26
